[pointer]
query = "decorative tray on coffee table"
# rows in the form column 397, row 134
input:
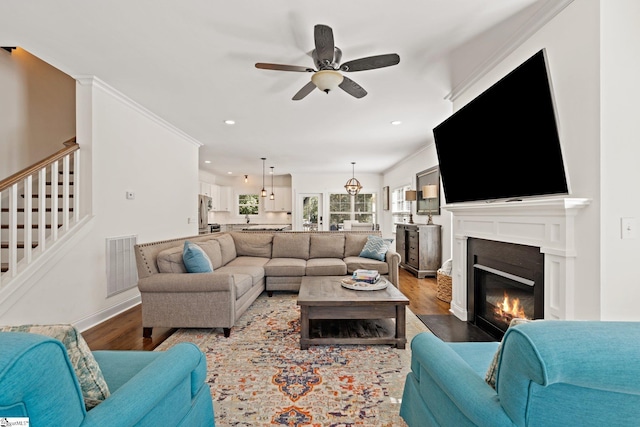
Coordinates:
column 364, row 286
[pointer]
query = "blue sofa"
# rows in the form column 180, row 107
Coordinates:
column 550, row 373
column 168, row 388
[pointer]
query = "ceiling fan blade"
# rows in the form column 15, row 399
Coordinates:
column 280, row 67
column 371, row 62
column 323, row 36
column 306, row 90
column 352, row 88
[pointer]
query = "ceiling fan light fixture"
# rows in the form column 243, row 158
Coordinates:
column 327, row 80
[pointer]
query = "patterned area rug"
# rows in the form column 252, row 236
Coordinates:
column 260, row 377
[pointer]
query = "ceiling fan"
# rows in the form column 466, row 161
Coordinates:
column 327, row 58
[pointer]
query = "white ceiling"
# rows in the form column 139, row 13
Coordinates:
column 191, row 62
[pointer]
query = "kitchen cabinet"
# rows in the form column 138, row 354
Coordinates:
column 205, row 188
column 282, row 202
column 222, row 198
column 420, row 248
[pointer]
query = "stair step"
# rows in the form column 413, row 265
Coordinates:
column 21, row 210
column 4, row 267
column 5, row 245
column 21, row 226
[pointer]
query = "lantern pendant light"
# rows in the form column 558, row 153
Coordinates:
column 263, row 192
column 272, row 196
column 353, row 186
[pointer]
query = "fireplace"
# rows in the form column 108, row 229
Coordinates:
column 504, row 281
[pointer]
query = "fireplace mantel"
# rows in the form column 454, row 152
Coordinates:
column 547, row 223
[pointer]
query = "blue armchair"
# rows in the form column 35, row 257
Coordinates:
column 550, row 373
column 37, row 381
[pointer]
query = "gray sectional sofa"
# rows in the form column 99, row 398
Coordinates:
column 244, row 265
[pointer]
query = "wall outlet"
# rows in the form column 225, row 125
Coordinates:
column 628, row 228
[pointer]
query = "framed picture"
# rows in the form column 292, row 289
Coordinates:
column 385, row 198
column 430, row 179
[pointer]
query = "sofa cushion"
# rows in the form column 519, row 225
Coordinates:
column 253, row 244
column 256, row 272
column 291, row 245
column 94, row 387
column 227, row 247
column 285, row 267
column 213, row 251
column 326, row 267
column 375, row 248
column 195, row 259
column 249, row 261
column 355, row 262
column 170, row 260
column 326, row 246
column 242, row 282
column 353, row 243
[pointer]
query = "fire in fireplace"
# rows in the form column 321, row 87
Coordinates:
column 505, row 282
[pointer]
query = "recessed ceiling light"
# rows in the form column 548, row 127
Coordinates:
column 230, row 122
column 207, row 161
column 229, row 173
column 396, row 122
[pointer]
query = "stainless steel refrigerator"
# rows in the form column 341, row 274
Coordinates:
column 204, row 206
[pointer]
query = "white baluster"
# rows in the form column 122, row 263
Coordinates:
column 13, row 230
column 27, row 235
column 76, row 186
column 42, row 208
column 65, row 193
column 54, row 202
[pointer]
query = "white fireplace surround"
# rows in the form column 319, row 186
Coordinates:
column 547, row 223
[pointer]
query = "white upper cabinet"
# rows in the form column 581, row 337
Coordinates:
column 282, row 202
column 222, row 198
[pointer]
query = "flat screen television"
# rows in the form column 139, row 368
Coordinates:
column 504, row 144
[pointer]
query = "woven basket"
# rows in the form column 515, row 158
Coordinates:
column 443, row 292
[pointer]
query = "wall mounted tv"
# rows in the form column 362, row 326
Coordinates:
column 504, row 144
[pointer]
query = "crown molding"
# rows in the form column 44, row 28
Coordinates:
column 114, row 93
column 545, row 14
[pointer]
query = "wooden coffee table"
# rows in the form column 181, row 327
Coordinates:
column 323, row 297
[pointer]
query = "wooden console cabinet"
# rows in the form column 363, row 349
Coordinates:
column 420, row 248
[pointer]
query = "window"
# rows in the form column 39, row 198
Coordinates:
column 400, row 208
column 361, row 207
column 248, row 204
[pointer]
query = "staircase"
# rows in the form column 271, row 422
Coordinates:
column 38, row 205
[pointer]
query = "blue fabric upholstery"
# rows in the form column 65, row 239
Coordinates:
column 147, row 388
column 195, row 259
column 550, row 373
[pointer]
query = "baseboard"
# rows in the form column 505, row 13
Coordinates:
column 106, row 314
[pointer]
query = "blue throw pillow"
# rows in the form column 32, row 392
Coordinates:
column 375, row 248
column 195, row 259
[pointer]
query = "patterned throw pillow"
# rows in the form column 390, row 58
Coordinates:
column 375, row 248
column 94, row 387
column 492, row 372
column 195, row 259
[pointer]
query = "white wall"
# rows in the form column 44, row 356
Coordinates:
column 571, row 40
column 37, row 110
column 405, row 173
column 620, row 151
column 123, row 147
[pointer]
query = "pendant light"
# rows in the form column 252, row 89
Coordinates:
column 263, row 192
column 246, row 178
column 353, row 186
column 272, row 196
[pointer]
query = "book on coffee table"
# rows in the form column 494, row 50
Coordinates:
column 368, row 276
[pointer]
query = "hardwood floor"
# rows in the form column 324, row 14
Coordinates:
column 124, row 331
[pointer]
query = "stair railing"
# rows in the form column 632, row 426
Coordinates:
column 63, row 210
